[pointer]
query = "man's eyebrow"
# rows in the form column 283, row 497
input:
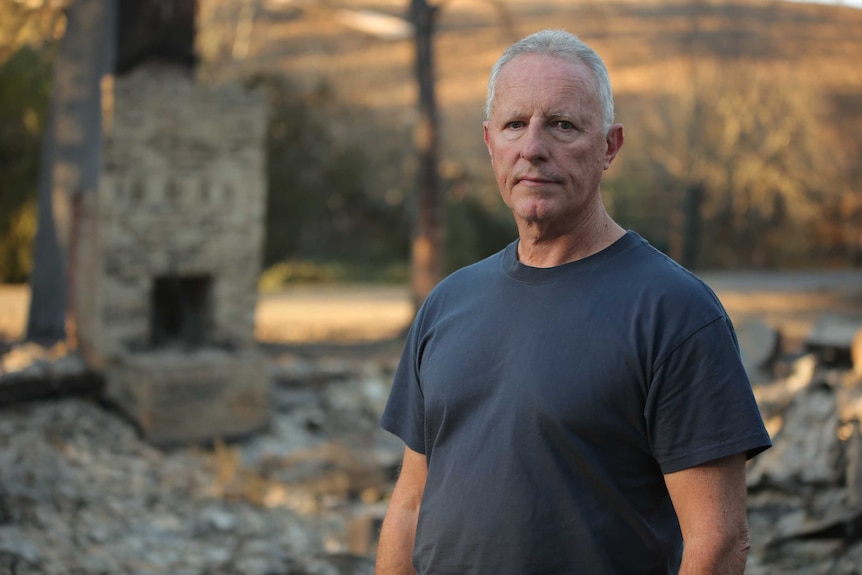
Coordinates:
column 571, row 116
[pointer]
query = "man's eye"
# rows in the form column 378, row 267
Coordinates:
column 515, row 125
column 564, row 125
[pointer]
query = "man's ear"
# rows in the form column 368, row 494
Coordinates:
column 486, row 137
column 614, row 141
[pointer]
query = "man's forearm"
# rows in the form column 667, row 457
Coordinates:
column 714, row 556
column 398, row 533
column 395, row 549
column 710, row 503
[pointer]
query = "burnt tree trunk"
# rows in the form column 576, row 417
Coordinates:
column 692, row 225
column 69, row 163
column 428, row 234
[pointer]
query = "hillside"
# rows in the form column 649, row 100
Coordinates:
column 651, row 48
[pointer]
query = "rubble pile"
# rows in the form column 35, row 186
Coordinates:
column 80, row 493
column 805, row 494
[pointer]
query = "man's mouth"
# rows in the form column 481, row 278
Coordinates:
column 536, row 180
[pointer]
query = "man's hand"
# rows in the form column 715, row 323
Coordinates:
column 710, row 503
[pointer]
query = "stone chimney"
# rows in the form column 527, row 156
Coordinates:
column 170, row 245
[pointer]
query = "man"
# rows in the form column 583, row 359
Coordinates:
column 574, row 404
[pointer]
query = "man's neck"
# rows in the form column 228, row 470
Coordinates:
column 541, row 249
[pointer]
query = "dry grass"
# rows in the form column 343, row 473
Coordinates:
column 14, row 303
column 300, row 315
column 350, row 314
column 341, row 314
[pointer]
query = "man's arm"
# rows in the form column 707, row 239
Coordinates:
column 395, row 549
column 710, row 503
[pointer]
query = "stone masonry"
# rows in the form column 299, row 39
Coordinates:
column 169, row 254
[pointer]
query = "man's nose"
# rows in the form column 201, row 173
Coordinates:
column 533, row 145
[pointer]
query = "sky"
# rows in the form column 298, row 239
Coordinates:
column 851, row 3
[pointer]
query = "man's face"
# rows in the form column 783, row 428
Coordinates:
column 546, row 141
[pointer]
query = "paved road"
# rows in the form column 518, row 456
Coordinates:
column 826, row 281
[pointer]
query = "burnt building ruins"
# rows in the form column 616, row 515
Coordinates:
column 166, row 262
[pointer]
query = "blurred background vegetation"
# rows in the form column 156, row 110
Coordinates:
column 738, row 156
column 27, row 42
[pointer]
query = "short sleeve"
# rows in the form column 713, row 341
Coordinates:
column 404, row 415
column 700, row 406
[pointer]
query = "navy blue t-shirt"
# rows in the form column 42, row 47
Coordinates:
column 549, row 402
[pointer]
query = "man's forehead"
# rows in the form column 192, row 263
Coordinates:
column 551, row 77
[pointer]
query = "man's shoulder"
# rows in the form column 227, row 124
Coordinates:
column 458, row 293
column 656, row 276
column 467, row 276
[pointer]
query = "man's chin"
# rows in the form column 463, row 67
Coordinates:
column 536, row 212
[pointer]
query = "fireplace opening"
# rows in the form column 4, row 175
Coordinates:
column 181, row 311
column 155, row 30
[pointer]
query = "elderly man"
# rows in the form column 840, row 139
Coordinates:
column 574, row 404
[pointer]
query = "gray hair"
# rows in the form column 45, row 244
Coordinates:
column 563, row 45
